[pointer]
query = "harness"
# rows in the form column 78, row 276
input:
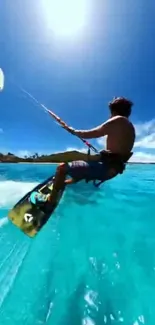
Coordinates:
column 115, row 160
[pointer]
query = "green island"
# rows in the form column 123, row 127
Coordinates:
column 36, row 158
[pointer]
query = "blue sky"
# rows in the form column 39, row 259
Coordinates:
column 77, row 74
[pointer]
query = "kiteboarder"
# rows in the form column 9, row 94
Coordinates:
column 108, row 163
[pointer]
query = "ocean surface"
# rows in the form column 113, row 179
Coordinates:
column 93, row 263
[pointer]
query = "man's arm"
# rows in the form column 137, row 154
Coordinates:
column 99, row 131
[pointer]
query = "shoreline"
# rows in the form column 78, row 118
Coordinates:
column 56, row 163
column 38, row 163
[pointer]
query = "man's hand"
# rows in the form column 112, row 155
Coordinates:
column 69, row 129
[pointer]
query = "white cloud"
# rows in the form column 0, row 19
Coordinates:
column 102, row 141
column 145, row 127
column 23, row 153
column 77, row 149
column 145, row 133
column 143, row 157
column 147, row 141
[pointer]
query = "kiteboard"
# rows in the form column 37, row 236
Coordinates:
column 30, row 217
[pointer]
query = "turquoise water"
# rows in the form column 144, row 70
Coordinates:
column 94, row 261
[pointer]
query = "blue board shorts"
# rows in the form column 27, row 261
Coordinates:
column 92, row 170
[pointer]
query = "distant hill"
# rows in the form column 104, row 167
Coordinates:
column 11, row 158
column 52, row 158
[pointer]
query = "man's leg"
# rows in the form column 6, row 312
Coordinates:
column 81, row 170
column 69, row 156
column 92, row 170
column 59, row 182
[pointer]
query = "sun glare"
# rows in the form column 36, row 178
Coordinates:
column 66, row 17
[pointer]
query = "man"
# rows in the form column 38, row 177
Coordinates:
column 107, row 164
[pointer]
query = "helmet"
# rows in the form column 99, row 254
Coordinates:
column 121, row 106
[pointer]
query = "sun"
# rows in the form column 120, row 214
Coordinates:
column 66, row 17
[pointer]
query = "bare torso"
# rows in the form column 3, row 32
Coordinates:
column 121, row 136
column 119, row 131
